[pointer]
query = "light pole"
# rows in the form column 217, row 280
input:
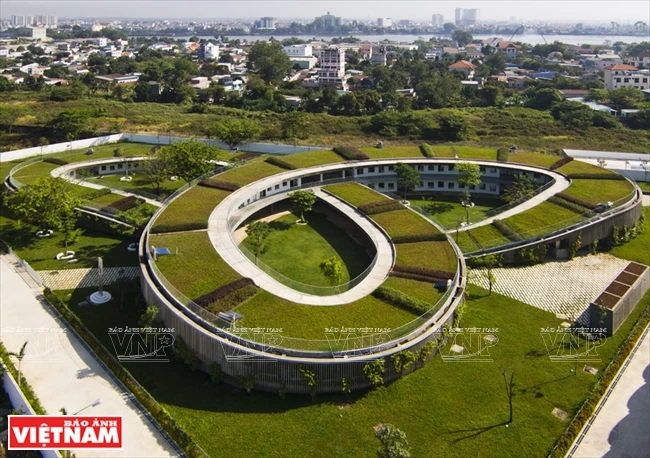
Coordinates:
column 95, row 403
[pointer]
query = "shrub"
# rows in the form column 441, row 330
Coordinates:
column 219, row 184
column 401, row 300
column 374, row 371
column 416, row 277
column 503, row 155
column 440, row 237
column 232, row 300
column 94, row 194
column 433, row 273
column 126, row 203
column 25, row 387
column 574, row 207
column 178, row 227
column 280, row 163
column 575, row 246
column 426, row 150
column 350, row 154
column 55, row 161
column 185, row 354
column 557, row 164
column 220, row 292
column 382, row 206
column 596, row 176
column 506, row 230
column 118, row 152
column 581, row 203
column 529, row 256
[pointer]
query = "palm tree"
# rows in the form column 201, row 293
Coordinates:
column 19, row 356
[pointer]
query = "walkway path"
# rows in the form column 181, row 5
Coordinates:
column 64, row 374
column 620, row 426
column 86, row 278
column 219, row 234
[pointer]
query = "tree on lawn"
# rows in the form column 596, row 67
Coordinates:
column 469, row 174
column 333, row 270
column 19, row 356
column 154, row 171
column 148, row 317
column 489, row 262
column 235, row 131
column 9, row 114
column 257, row 232
column 303, row 201
column 522, row 186
column 393, row 442
column 189, row 159
column 407, row 178
column 49, row 203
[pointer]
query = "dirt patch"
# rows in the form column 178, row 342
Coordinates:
column 617, row 289
column 626, row 278
column 635, row 268
column 607, row 300
column 344, row 405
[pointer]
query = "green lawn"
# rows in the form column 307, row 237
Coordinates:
column 419, row 289
column 137, row 184
column 400, row 223
column 645, row 187
column 446, row 409
column 250, row 172
column 104, row 151
column 597, row 191
column 107, row 199
column 40, row 253
column 538, row 159
column 190, row 210
column 296, row 251
column 541, row 219
column 355, row 193
column 392, row 151
column 576, row 166
column 312, row 158
column 34, row 172
column 447, row 211
column 197, row 269
column 488, row 236
column 638, row 249
column 430, row 255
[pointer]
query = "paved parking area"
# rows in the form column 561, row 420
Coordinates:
column 565, row 287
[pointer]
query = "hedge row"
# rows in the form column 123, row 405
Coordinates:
column 409, row 276
column 126, row 203
column 25, row 387
column 382, row 206
column 219, row 184
column 220, row 292
column 426, row 150
column 232, row 300
column 565, row 442
column 350, row 154
column 424, row 272
column 557, row 164
column 574, row 207
column 401, row 300
column 440, row 237
column 55, row 161
column 179, row 227
column 596, row 176
column 506, row 230
column 575, row 200
column 94, row 194
column 280, row 163
column 177, row 433
column 503, row 155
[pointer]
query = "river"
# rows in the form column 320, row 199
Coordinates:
column 532, row 39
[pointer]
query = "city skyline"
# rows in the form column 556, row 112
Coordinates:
column 572, row 11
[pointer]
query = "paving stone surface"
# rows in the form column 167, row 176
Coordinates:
column 565, row 287
column 85, row 278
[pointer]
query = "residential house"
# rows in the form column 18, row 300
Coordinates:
column 208, row 51
column 4, row 52
column 199, row 83
column 641, row 59
column 600, row 61
column 111, row 51
column 508, row 48
column 473, row 51
column 100, row 42
column 118, row 78
column 623, row 75
column 378, row 55
column 462, row 66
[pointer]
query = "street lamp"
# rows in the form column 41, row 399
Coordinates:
column 95, row 403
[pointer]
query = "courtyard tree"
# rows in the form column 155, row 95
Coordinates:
column 489, row 263
column 189, row 159
column 393, row 442
column 333, row 270
column 257, row 232
column 469, row 174
column 407, row 178
column 522, row 186
column 235, row 131
column 269, row 61
column 19, row 355
column 48, row 203
column 154, row 171
column 303, row 201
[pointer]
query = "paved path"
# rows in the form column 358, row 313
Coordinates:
column 219, row 234
column 85, row 278
column 645, row 200
column 63, row 373
column 620, row 426
column 564, row 288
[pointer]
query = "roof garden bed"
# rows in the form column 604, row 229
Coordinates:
column 190, row 211
column 252, row 171
column 356, row 194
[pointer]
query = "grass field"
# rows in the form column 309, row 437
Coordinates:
column 191, row 210
column 542, row 218
column 400, row 223
column 197, row 269
column 296, row 251
column 597, row 191
column 418, row 289
column 538, row 159
column 645, row 187
column 355, row 193
column 313, row 158
column 447, row 211
column 34, row 172
column 488, row 236
column 445, row 409
column 576, row 166
column 250, row 172
column 105, row 151
column 430, row 255
column 638, row 249
column 137, row 184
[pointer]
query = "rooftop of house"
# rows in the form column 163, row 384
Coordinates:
column 621, row 67
column 461, row 65
column 507, row 44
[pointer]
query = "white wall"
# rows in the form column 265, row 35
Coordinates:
column 58, row 147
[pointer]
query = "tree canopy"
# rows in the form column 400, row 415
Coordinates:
column 407, row 177
column 234, row 131
column 269, row 61
column 303, row 201
column 189, row 159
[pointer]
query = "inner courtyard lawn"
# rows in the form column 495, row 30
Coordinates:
column 446, row 409
column 137, row 184
column 296, row 251
column 447, row 210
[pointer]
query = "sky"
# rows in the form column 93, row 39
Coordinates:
column 548, row 10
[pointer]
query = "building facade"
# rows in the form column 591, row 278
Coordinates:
column 332, row 68
column 208, row 51
column 623, row 75
column 437, row 20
